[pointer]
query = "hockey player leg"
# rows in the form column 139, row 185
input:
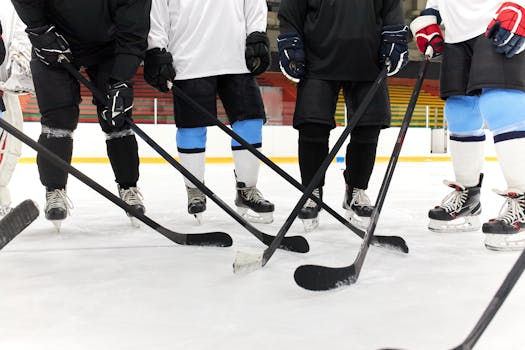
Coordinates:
column 507, row 230
column 459, row 211
column 249, row 200
column 123, row 154
column 360, row 159
column 191, row 144
column 313, row 149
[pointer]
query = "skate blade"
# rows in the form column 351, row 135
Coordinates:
column 57, row 224
column 198, row 218
column 360, row 222
column 310, row 224
column 505, row 242
column 464, row 224
column 254, row 217
column 135, row 223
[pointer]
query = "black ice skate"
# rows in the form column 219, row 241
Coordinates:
column 132, row 197
column 57, row 206
column 506, row 232
column 309, row 213
column 459, row 211
column 196, row 203
column 358, row 207
column 250, row 198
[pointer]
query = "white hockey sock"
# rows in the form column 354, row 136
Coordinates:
column 467, row 159
column 5, row 196
column 246, row 167
column 194, row 163
column 511, row 155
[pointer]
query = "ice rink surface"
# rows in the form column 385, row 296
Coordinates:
column 101, row 284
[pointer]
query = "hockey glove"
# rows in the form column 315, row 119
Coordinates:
column 427, row 32
column 257, row 53
column 119, row 104
column 507, row 29
column 291, row 56
column 394, row 48
column 48, row 45
column 158, row 69
column 2, row 46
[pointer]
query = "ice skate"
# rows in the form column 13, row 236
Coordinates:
column 358, row 207
column 196, row 203
column 132, row 197
column 506, row 232
column 459, row 211
column 4, row 210
column 57, row 206
column 250, row 200
column 309, row 213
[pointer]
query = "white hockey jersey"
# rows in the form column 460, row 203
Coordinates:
column 15, row 73
column 206, row 37
column 466, row 19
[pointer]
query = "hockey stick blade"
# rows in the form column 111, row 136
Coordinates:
column 321, row 278
column 392, row 242
column 246, row 262
column 212, row 239
column 17, row 220
column 297, row 244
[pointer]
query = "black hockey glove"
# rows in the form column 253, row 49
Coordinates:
column 158, row 69
column 291, row 56
column 257, row 53
column 2, row 46
column 119, row 105
column 48, row 45
column 394, row 48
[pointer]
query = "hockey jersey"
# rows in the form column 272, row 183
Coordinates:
column 95, row 29
column 206, row 38
column 466, row 19
column 341, row 37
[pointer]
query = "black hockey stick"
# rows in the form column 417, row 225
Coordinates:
column 219, row 239
column 296, row 243
column 388, row 241
column 17, row 220
column 494, row 305
column 250, row 262
column 315, row 277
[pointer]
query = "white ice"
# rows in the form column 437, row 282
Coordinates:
column 100, row 284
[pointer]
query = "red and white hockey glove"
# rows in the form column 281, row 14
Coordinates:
column 427, row 33
column 507, row 29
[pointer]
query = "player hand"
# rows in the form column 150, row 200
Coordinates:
column 257, row 53
column 394, row 48
column 119, row 104
column 49, row 46
column 507, row 29
column 291, row 56
column 2, row 46
column 158, row 69
column 427, row 32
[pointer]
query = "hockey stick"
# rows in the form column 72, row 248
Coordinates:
column 389, row 241
column 250, row 262
column 315, row 277
column 219, row 239
column 296, row 243
column 17, row 220
column 494, row 305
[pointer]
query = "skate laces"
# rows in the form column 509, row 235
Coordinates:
column 513, row 209
column 455, row 199
column 131, row 196
column 360, row 198
column 195, row 195
column 252, row 194
column 310, row 203
column 58, row 199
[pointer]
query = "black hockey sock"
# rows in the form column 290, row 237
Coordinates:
column 313, row 149
column 361, row 155
column 124, row 158
column 51, row 176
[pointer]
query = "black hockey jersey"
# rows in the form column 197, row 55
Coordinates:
column 341, row 37
column 95, row 28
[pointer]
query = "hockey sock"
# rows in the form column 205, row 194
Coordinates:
column 246, row 164
column 60, row 142
column 123, row 155
column 361, row 156
column 313, row 149
column 191, row 144
column 467, row 153
column 510, row 149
